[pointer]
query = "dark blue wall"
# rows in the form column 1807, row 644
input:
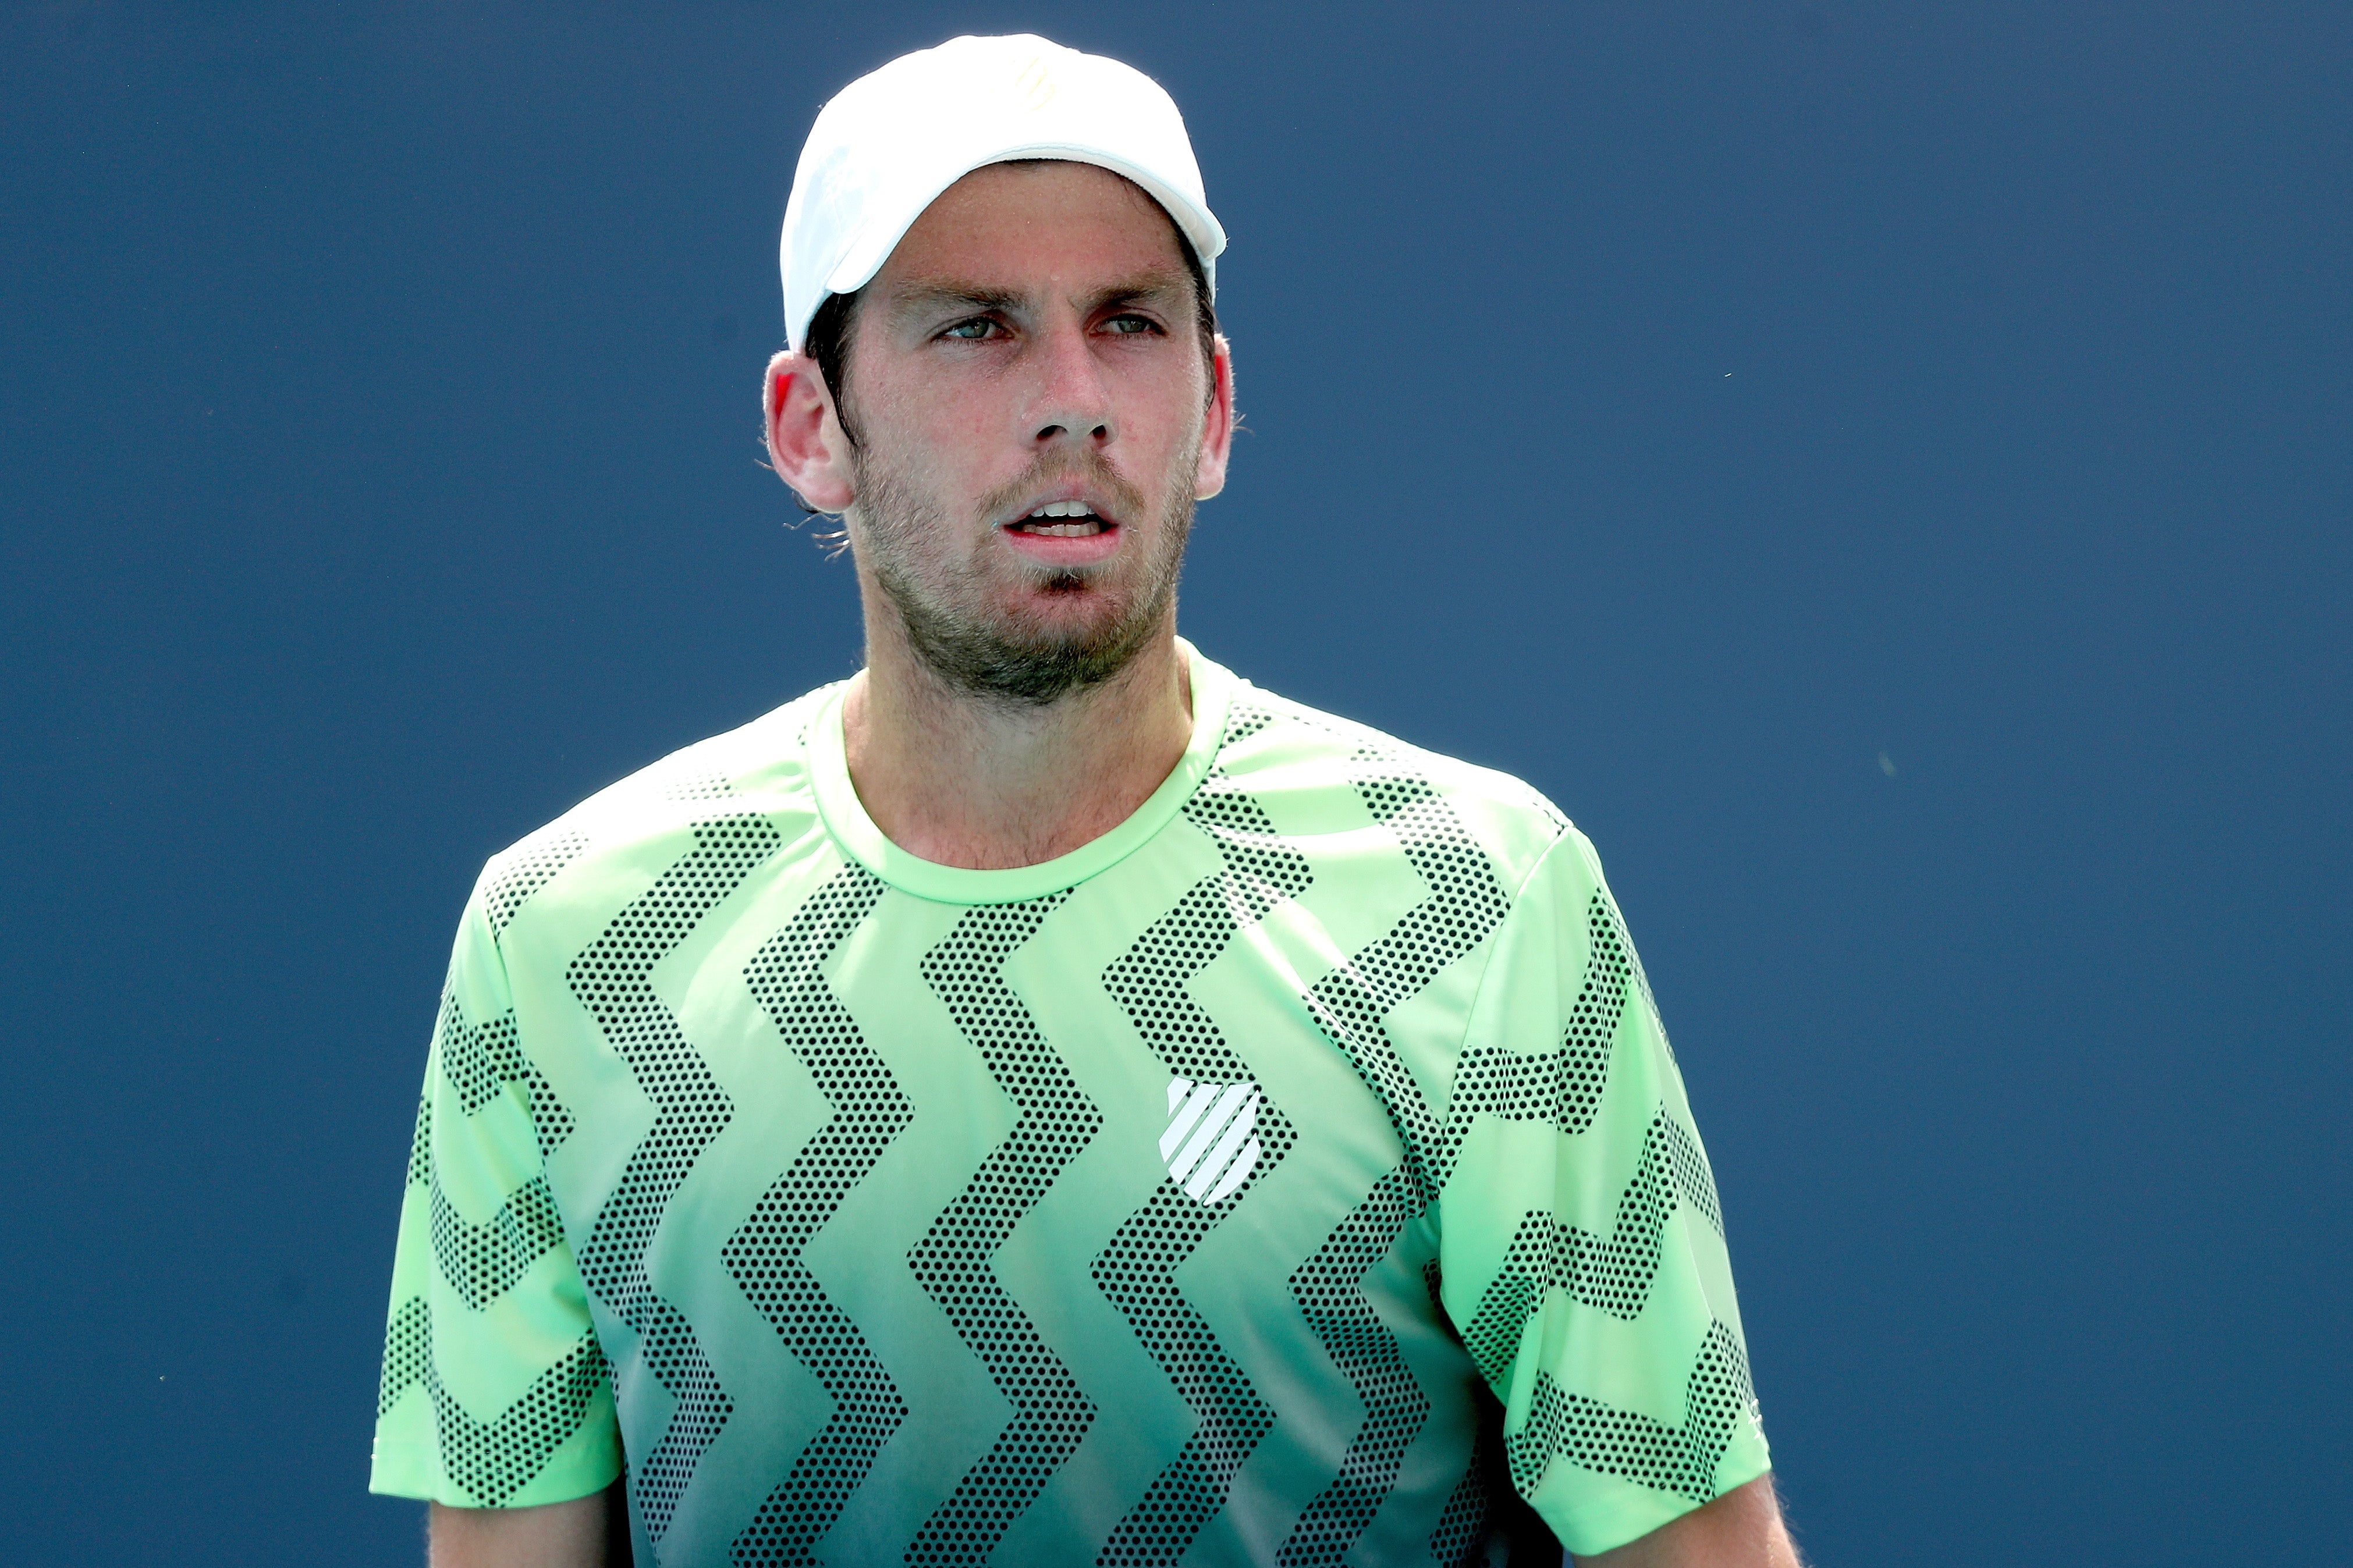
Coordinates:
column 1883, row 469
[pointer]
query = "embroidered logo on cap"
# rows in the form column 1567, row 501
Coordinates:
column 1207, row 1148
column 1034, row 87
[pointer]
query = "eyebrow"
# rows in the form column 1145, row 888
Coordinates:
column 922, row 296
column 943, row 294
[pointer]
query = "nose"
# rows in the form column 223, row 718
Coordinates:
column 1073, row 407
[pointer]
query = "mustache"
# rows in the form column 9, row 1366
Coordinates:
column 1094, row 467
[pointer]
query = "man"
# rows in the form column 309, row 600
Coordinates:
column 1046, row 1099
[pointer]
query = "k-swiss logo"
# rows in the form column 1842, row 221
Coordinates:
column 1034, row 85
column 1208, row 1148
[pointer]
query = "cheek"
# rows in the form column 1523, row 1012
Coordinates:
column 956, row 428
column 1164, row 421
column 1176, row 386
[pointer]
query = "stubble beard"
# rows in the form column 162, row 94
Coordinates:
column 1013, row 660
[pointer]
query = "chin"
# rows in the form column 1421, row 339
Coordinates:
column 1063, row 606
column 1060, row 637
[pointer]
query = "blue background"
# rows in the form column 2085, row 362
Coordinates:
column 1882, row 469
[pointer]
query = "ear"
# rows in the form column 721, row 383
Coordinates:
column 1217, row 425
column 806, row 446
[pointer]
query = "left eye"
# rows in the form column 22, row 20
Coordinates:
column 1127, row 325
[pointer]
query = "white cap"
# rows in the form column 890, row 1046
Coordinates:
column 890, row 142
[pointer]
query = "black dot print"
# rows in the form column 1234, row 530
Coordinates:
column 408, row 1354
column 482, row 1262
column 1563, row 1086
column 491, row 1460
column 516, row 875
column 1463, row 903
column 1611, row 1274
column 1632, row 1446
column 1462, row 1522
column 611, row 979
column 1051, row 1413
column 1463, row 1519
column 1486, row 1523
column 1135, row 1270
column 1329, row 1288
column 420, row 1143
column 482, row 1059
column 765, row 1254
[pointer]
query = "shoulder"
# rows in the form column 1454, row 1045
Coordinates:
column 759, row 769
column 1286, row 751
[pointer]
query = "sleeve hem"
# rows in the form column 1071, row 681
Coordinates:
column 1604, row 1527
column 413, row 1470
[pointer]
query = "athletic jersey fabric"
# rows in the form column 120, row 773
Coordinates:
column 1175, row 1198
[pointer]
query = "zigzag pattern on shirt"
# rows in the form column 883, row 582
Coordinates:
column 1634, row 1446
column 611, row 978
column 491, row 1460
column 1460, row 1522
column 1613, row 1273
column 764, row 1256
column 1329, row 1289
column 1463, row 1519
column 481, row 1061
column 1562, row 1085
column 420, row 1141
column 482, row 1262
column 1463, row 904
column 1472, row 1528
column 1136, row 1269
column 1056, row 1121
column 516, row 874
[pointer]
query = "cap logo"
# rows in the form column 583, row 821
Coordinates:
column 1034, row 85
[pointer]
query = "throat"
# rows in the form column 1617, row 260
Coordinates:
column 983, row 788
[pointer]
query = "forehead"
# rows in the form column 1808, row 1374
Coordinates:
column 1033, row 221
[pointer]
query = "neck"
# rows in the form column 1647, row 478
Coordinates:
column 960, row 780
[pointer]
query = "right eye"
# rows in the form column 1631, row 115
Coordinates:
column 975, row 330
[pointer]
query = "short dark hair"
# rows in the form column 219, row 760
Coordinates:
column 828, row 342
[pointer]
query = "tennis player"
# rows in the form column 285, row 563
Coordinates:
column 1046, row 1099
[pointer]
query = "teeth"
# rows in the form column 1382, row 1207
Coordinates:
column 1063, row 519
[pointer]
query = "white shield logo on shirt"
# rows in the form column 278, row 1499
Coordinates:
column 1208, row 1148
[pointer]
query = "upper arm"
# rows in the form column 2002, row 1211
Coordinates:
column 1742, row 1529
column 553, row 1535
column 1581, row 1247
column 495, row 1392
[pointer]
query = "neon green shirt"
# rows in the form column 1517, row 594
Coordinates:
column 1178, row 1198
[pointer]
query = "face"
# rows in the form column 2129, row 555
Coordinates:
column 1035, row 421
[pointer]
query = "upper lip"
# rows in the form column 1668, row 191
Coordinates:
column 1079, row 493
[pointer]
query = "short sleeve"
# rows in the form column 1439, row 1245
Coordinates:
column 1581, row 1246
column 494, row 1392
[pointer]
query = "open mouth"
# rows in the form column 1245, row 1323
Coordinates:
column 1062, row 520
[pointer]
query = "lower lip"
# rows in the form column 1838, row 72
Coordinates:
column 1081, row 549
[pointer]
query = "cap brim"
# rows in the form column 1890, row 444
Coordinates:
column 871, row 249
